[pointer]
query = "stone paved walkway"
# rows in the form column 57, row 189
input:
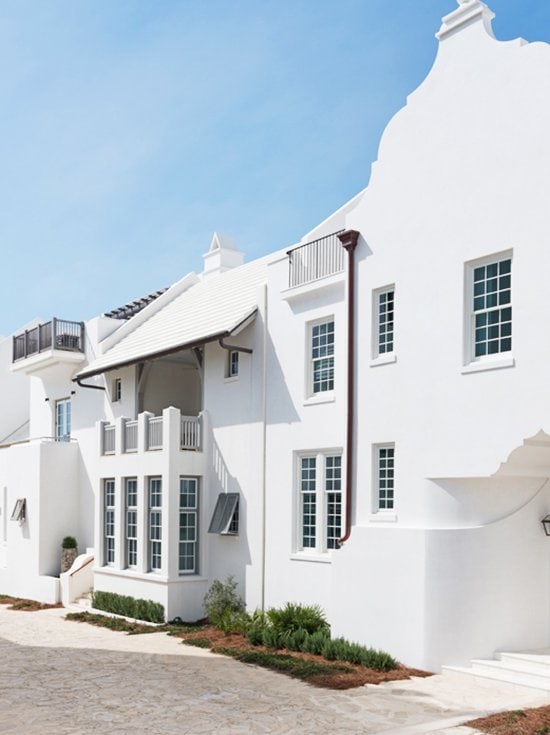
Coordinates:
column 64, row 678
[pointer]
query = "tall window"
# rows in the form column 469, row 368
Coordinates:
column 155, row 524
column 63, row 420
column 384, row 306
column 188, row 541
column 333, row 500
column 322, row 357
column 320, row 501
column 308, row 492
column 117, row 389
column 109, row 521
column 491, row 308
column 232, row 364
column 385, row 481
column 131, row 522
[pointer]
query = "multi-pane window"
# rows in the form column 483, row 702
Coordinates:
column 385, row 484
column 384, row 308
column 322, row 357
column 63, row 420
column 131, row 521
column 333, row 500
column 320, row 501
column 117, row 389
column 232, row 364
column 491, row 308
column 155, row 524
column 308, row 495
column 188, row 540
column 109, row 521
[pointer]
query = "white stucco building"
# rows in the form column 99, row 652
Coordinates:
column 362, row 421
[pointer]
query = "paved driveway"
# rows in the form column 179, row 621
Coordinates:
column 64, row 678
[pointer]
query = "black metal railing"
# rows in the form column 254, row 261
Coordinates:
column 315, row 260
column 58, row 334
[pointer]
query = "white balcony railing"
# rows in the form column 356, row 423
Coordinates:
column 130, row 436
column 149, row 433
column 154, row 432
column 108, row 439
column 190, row 436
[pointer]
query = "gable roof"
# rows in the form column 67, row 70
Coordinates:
column 208, row 310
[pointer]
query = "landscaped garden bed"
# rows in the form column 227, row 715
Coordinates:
column 518, row 722
column 21, row 603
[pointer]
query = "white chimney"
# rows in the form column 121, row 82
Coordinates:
column 222, row 256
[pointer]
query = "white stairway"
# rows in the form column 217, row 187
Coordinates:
column 82, row 603
column 522, row 668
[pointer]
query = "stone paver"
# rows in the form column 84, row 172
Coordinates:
column 64, row 678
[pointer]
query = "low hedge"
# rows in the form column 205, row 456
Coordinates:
column 130, row 607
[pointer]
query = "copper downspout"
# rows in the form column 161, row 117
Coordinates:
column 349, row 242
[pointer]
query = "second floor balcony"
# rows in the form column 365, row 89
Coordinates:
column 58, row 340
column 149, row 433
column 315, row 260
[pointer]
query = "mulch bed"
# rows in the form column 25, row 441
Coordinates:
column 358, row 676
column 517, row 722
column 20, row 603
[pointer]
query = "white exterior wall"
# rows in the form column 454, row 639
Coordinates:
column 462, row 173
column 235, row 457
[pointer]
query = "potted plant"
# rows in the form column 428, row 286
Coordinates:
column 69, row 552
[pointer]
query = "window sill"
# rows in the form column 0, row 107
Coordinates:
column 384, row 359
column 383, row 516
column 232, row 379
column 315, row 558
column 131, row 573
column 494, row 364
column 326, row 397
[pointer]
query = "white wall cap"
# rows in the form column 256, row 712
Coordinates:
column 468, row 12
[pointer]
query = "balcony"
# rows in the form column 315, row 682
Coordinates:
column 152, row 433
column 55, row 341
column 315, row 260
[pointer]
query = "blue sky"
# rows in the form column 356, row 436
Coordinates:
column 131, row 130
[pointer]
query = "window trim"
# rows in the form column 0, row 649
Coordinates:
column 324, row 394
column 154, row 510
column 232, row 365
column 66, row 422
column 471, row 362
column 128, row 509
column 109, row 512
column 193, row 511
column 322, row 539
column 376, row 470
column 117, row 390
column 378, row 357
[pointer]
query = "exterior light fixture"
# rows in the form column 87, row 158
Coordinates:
column 546, row 524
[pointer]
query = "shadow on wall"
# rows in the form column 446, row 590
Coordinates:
column 230, row 553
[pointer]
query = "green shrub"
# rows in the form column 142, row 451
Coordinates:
column 130, row 607
column 314, row 642
column 271, row 638
column 292, row 617
column 284, row 662
column 69, row 542
column 294, row 639
column 221, row 599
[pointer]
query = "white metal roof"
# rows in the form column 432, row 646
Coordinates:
column 209, row 309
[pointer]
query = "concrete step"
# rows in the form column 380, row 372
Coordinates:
column 523, row 669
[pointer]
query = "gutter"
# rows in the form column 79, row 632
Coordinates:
column 349, row 242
